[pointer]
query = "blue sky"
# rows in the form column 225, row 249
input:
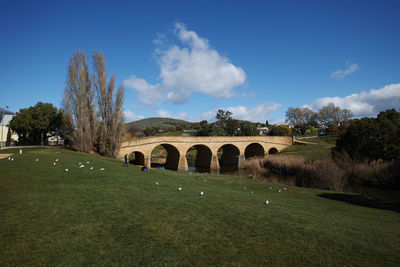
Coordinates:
column 187, row 59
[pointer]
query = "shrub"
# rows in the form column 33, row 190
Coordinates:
column 341, row 174
column 372, row 138
column 333, row 130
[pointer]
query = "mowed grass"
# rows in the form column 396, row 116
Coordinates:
column 322, row 149
column 119, row 216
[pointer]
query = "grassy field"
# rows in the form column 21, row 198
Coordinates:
column 119, row 216
column 320, row 150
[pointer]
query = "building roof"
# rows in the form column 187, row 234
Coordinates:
column 6, row 119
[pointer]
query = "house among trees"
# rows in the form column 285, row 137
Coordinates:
column 263, row 130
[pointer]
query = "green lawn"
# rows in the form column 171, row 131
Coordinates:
column 320, row 150
column 119, row 216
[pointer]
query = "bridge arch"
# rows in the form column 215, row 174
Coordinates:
column 273, row 150
column 228, row 157
column 137, row 158
column 232, row 149
column 202, row 160
column 254, row 150
column 173, row 155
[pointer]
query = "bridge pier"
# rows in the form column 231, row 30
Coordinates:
column 147, row 161
column 241, row 161
column 214, row 164
column 183, row 165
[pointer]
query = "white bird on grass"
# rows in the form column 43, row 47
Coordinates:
column 91, row 168
column 56, row 160
column 270, row 188
column 201, row 193
column 82, row 166
column 252, row 192
column 54, row 163
column 79, row 163
column 12, row 159
column 9, row 158
column 66, row 170
column 284, row 188
column 36, row 160
column 279, row 191
column 180, row 189
column 87, row 162
column 102, row 169
column 266, row 202
column 156, row 183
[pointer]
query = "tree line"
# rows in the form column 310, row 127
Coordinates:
column 225, row 125
column 303, row 118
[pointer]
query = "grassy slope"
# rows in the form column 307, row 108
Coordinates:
column 159, row 122
column 311, row 151
column 119, row 216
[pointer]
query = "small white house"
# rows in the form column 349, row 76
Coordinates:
column 4, row 130
column 263, row 130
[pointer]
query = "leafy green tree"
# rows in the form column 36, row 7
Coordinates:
column 248, row 129
column 150, row 131
column 372, row 138
column 279, row 131
column 223, row 115
column 32, row 123
column 223, row 118
column 205, row 129
column 217, row 130
column 232, row 127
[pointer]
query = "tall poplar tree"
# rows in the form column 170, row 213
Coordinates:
column 78, row 106
column 111, row 126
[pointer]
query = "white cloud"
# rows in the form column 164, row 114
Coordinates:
column 340, row 74
column 130, row 116
column 365, row 103
column 183, row 115
column 148, row 94
column 255, row 114
column 163, row 114
column 192, row 67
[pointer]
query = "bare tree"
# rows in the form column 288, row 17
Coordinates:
column 78, row 104
column 301, row 118
column 331, row 115
column 111, row 126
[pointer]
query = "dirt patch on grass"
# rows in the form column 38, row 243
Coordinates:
column 2, row 156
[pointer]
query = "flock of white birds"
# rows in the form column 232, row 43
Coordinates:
column 81, row 165
column 266, row 202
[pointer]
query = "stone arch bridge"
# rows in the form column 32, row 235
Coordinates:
column 213, row 152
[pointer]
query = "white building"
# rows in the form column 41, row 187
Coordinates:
column 4, row 130
column 263, row 130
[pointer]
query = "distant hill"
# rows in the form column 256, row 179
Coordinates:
column 158, row 122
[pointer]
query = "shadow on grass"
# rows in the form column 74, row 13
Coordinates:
column 359, row 200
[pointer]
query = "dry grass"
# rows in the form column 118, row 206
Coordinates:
column 341, row 174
